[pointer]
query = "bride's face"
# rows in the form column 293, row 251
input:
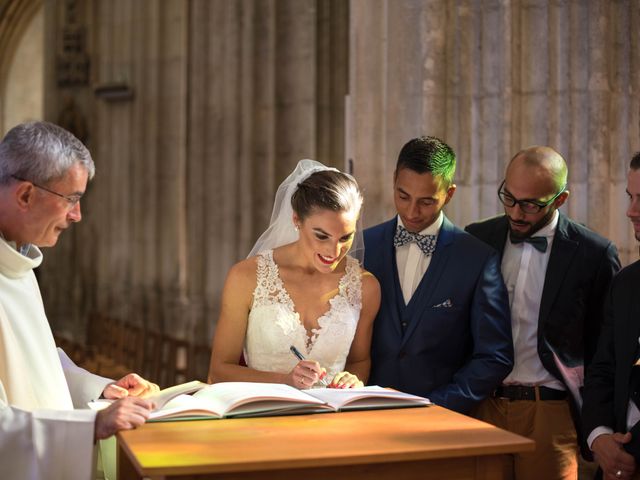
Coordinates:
column 326, row 237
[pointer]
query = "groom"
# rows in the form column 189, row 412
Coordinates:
column 443, row 330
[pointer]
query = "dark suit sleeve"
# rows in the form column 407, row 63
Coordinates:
column 472, row 229
column 492, row 357
column 598, row 391
column 608, row 266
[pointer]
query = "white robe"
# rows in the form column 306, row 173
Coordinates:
column 41, row 435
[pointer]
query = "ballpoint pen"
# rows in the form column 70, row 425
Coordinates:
column 297, row 353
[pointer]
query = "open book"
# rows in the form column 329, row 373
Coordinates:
column 247, row 399
column 166, row 394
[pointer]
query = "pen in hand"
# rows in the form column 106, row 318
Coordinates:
column 299, row 356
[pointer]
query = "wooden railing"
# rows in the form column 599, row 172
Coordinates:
column 114, row 348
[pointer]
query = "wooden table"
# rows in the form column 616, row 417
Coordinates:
column 413, row 443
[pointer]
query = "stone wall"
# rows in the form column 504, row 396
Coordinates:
column 226, row 98
column 21, row 68
column 219, row 99
column 491, row 78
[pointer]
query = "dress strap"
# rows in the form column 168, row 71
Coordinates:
column 269, row 287
column 265, row 278
column 351, row 282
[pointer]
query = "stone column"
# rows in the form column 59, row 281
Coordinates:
column 229, row 95
column 266, row 88
column 491, row 78
column 128, row 255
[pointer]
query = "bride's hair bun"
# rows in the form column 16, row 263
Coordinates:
column 326, row 190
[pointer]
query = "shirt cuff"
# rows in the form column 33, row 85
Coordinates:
column 596, row 432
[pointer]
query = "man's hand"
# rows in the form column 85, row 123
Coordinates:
column 132, row 385
column 614, row 461
column 123, row 414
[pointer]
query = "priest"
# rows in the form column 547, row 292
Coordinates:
column 46, row 430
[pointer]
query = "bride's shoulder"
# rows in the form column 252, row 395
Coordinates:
column 369, row 281
column 371, row 292
column 244, row 270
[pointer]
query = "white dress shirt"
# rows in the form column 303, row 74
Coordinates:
column 633, row 417
column 524, row 269
column 412, row 263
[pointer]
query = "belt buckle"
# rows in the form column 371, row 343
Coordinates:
column 527, row 393
column 500, row 393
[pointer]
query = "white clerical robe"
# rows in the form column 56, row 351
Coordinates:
column 41, row 435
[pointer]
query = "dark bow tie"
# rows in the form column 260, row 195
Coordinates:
column 426, row 243
column 539, row 243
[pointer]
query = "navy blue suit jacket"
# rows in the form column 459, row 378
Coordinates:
column 452, row 343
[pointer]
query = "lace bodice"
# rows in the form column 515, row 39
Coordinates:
column 274, row 324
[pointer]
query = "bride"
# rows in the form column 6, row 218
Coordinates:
column 299, row 288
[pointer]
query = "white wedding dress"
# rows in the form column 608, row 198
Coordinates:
column 274, row 325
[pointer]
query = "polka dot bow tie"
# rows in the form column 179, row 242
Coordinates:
column 426, row 243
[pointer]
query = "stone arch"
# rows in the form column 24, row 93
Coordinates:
column 15, row 18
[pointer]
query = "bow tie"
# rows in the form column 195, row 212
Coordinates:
column 539, row 243
column 426, row 243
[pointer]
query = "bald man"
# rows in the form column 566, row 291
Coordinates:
column 557, row 273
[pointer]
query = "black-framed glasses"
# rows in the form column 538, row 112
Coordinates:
column 72, row 200
column 527, row 206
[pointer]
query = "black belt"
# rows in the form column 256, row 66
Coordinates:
column 521, row 392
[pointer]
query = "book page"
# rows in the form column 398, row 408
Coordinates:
column 227, row 397
column 171, row 402
column 185, row 406
column 277, row 407
column 231, row 399
column 163, row 396
column 366, row 397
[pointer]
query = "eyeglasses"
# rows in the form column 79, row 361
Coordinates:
column 72, row 200
column 527, row 206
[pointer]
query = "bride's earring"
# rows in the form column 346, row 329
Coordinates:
column 295, row 227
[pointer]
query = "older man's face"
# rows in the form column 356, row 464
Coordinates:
column 52, row 214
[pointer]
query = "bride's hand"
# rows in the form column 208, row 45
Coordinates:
column 305, row 374
column 345, row 380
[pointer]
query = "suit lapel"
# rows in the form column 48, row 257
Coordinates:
column 562, row 251
column 422, row 297
column 498, row 235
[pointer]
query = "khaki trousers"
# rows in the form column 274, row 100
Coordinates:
column 549, row 424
